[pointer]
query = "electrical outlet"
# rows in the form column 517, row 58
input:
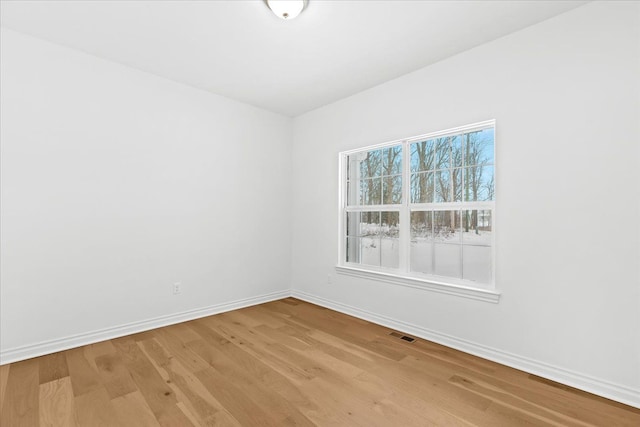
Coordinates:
column 329, row 279
column 177, row 288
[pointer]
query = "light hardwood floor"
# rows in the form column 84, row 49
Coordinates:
column 285, row 363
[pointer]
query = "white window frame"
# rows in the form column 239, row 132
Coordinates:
column 402, row 275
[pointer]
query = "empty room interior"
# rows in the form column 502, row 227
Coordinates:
column 320, row 213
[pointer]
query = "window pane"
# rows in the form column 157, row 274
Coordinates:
column 367, row 174
column 456, row 151
column 421, row 256
column 479, row 183
column 370, row 250
column 363, row 191
column 446, row 226
column 477, row 263
column 447, row 260
column 390, row 252
column 476, row 227
column 443, row 186
column 370, row 191
column 456, row 180
column 392, row 190
column 448, row 152
column 371, row 164
column 422, row 156
column 363, row 237
column 392, row 160
column 478, row 147
column 449, row 185
column 422, row 225
column 422, row 187
column 390, row 224
column 421, row 259
column 369, row 223
column 390, row 232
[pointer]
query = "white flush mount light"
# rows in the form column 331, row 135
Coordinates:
column 286, row 9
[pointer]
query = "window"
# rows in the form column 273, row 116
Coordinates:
column 422, row 208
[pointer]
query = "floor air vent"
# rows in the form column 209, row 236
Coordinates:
column 402, row 337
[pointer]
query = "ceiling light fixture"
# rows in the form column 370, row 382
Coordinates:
column 286, row 9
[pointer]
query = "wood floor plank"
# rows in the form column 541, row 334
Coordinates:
column 247, row 374
column 528, row 395
column 337, row 328
column 441, row 398
column 198, row 403
column 306, row 347
column 157, row 393
column 350, row 405
column 245, row 410
column 185, row 410
column 171, row 340
column 263, row 317
column 132, row 409
column 96, row 350
column 512, row 402
column 414, row 399
column 181, row 333
column 99, row 349
column 94, row 408
column 282, row 379
column 4, row 376
column 57, row 404
column 21, row 402
column 286, row 363
column 114, row 374
column 505, row 416
column 259, row 348
column 52, row 367
column 84, row 377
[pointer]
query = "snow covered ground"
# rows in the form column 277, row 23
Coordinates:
column 464, row 255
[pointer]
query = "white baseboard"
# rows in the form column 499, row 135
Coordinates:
column 46, row 347
column 587, row 383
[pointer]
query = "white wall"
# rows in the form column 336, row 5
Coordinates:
column 117, row 183
column 565, row 94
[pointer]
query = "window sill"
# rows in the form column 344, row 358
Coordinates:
column 479, row 294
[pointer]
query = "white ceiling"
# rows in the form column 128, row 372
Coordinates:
column 240, row 50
